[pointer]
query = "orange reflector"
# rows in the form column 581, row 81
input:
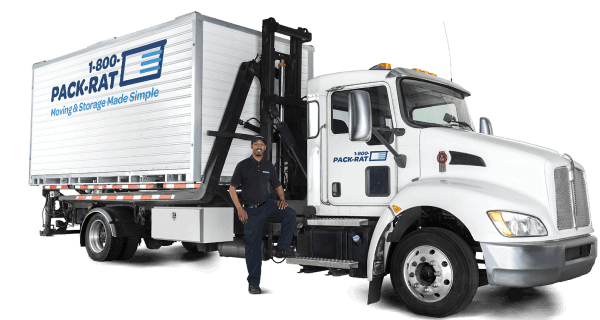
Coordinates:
column 433, row 74
column 386, row 65
column 500, row 224
column 396, row 208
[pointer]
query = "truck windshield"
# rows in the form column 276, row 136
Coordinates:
column 426, row 104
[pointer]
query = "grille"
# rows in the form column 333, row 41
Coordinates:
column 582, row 211
column 564, row 210
column 564, row 218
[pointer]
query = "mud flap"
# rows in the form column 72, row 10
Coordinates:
column 375, row 290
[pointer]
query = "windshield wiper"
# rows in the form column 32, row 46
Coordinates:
column 450, row 118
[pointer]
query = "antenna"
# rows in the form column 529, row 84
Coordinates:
column 449, row 56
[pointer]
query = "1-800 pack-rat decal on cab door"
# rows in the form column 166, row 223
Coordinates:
column 362, row 156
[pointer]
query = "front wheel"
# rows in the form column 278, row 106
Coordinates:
column 434, row 272
column 99, row 242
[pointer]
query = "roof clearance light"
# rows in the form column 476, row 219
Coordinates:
column 386, row 65
column 381, row 66
column 433, row 74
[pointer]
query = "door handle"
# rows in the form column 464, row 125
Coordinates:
column 336, row 189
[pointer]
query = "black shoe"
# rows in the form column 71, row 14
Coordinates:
column 254, row 289
column 285, row 253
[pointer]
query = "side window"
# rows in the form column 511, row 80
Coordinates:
column 339, row 112
column 377, row 181
column 380, row 112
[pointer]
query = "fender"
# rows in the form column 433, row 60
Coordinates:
column 120, row 220
column 468, row 200
column 404, row 220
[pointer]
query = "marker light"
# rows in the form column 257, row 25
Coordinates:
column 381, row 66
column 499, row 223
column 512, row 224
column 386, row 65
column 396, row 208
column 433, row 74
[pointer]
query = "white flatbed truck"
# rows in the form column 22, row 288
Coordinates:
column 137, row 137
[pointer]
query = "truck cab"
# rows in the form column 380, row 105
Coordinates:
column 340, row 154
column 524, row 208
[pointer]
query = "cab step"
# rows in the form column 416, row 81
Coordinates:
column 322, row 262
column 338, row 222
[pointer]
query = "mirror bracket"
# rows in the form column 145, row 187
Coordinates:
column 399, row 158
column 398, row 132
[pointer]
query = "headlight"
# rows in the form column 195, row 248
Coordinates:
column 512, row 224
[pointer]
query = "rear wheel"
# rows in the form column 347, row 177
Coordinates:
column 130, row 245
column 434, row 272
column 99, row 242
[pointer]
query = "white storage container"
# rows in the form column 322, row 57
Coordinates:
column 137, row 108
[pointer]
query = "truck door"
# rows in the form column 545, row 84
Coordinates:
column 360, row 172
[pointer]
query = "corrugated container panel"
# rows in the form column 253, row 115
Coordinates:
column 192, row 61
column 144, row 136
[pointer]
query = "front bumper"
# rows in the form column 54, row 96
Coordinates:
column 522, row 265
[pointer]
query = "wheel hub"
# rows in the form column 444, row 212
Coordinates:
column 97, row 236
column 425, row 274
column 428, row 273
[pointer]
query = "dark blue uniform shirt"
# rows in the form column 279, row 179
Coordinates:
column 253, row 177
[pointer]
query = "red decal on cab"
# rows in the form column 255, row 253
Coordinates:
column 441, row 159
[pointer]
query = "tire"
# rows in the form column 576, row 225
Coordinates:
column 451, row 281
column 99, row 242
column 130, row 245
column 152, row 244
column 190, row 247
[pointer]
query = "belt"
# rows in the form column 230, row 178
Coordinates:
column 254, row 205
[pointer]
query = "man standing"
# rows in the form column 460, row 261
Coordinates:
column 257, row 207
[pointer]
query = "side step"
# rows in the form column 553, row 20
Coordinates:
column 338, row 222
column 322, row 262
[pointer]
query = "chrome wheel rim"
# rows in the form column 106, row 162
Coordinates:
column 97, row 236
column 428, row 273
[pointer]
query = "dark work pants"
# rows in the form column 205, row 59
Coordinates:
column 253, row 231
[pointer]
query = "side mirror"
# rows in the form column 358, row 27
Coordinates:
column 448, row 118
column 312, row 119
column 359, row 115
column 485, row 126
